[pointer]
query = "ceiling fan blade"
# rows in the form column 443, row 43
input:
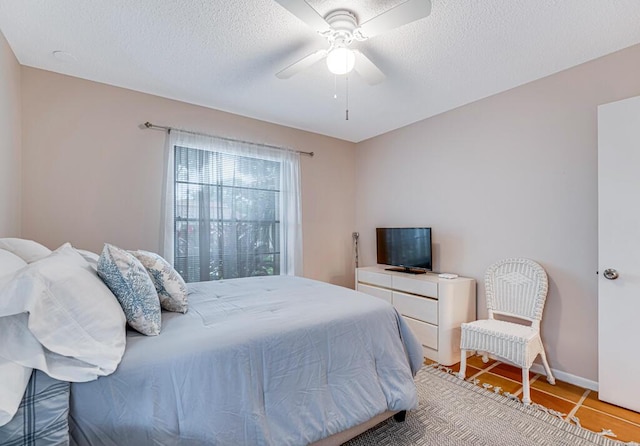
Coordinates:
column 300, row 65
column 302, row 10
column 367, row 69
column 404, row 13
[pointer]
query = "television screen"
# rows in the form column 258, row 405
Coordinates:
column 404, row 247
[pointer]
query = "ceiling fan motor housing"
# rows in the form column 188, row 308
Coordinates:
column 343, row 24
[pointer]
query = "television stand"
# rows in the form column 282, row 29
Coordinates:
column 406, row 270
column 433, row 307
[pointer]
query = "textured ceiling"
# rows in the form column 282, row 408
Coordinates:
column 224, row 54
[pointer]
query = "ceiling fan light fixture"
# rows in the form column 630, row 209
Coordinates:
column 341, row 60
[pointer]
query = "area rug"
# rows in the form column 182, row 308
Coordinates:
column 453, row 412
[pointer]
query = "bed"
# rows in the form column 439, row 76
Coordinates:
column 260, row 361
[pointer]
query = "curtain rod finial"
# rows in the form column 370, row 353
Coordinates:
column 148, row 124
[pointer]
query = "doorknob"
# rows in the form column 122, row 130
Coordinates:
column 610, row 274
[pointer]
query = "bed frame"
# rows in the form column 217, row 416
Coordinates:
column 344, row 436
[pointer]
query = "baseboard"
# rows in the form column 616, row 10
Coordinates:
column 562, row 376
column 567, row 377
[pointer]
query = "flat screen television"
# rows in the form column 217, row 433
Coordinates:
column 405, row 249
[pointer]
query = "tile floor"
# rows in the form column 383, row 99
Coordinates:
column 565, row 398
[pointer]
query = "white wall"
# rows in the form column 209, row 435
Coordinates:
column 511, row 175
column 91, row 175
column 10, row 141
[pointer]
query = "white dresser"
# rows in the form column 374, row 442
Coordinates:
column 433, row 307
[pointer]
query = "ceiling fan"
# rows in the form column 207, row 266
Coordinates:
column 341, row 28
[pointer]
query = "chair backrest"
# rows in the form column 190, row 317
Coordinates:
column 516, row 287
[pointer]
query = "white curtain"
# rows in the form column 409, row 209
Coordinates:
column 289, row 209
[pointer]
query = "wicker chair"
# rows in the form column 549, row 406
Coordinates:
column 517, row 288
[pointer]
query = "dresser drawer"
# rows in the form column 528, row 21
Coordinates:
column 410, row 285
column 421, row 308
column 380, row 293
column 427, row 334
column 374, row 278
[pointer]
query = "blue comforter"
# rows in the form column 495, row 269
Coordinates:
column 257, row 361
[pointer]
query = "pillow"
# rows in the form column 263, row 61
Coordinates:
column 10, row 263
column 129, row 281
column 90, row 257
column 170, row 286
column 10, row 395
column 58, row 316
column 27, row 250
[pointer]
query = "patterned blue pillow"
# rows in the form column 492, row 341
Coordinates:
column 171, row 288
column 128, row 280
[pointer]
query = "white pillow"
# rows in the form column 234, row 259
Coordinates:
column 27, row 250
column 10, row 263
column 129, row 281
column 10, row 372
column 170, row 286
column 90, row 257
column 11, row 395
column 58, row 316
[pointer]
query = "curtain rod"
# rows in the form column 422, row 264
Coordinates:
column 168, row 129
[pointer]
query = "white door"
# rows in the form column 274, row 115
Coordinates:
column 619, row 253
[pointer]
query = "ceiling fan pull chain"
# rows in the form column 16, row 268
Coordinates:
column 335, row 86
column 347, row 96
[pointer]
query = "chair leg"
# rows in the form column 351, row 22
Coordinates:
column 526, row 394
column 485, row 357
column 463, row 364
column 547, row 369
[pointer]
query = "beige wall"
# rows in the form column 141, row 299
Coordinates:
column 511, row 175
column 91, row 175
column 10, row 141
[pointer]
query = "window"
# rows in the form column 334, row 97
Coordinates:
column 231, row 210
